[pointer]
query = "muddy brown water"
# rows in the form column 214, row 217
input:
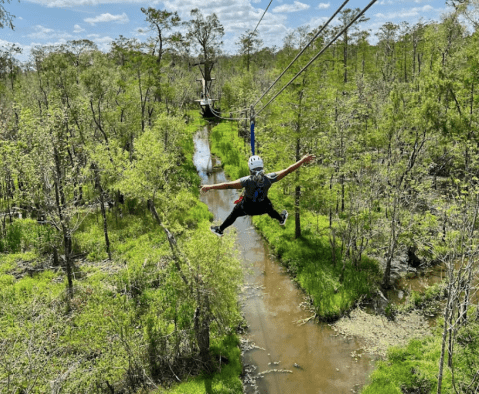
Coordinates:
column 308, row 358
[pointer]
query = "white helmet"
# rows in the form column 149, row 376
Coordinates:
column 255, row 162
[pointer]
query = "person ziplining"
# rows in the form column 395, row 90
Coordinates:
column 256, row 186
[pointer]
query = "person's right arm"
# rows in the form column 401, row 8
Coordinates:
column 226, row 185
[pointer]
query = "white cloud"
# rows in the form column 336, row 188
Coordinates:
column 296, row 6
column 405, row 13
column 324, row 6
column 78, row 29
column 319, row 21
column 103, row 43
column 45, row 33
column 75, row 3
column 123, row 18
column 4, row 43
column 66, row 3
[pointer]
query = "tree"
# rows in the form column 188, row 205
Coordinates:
column 6, row 19
column 457, row 248
column 49, row 177
column 387, row 36
column 207, row 34
column 152, row 178
column 8, row 63
column 346, row 16
column 162, row 21
column 409, row 127
column 468, row 8
column 249, row 44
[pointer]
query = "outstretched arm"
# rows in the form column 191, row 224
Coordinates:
column 227, row 185
column 293, row 167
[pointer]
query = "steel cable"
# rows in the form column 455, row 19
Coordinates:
column 318, row 54
column 217, row 114
column 261, row 17
column 302, row 51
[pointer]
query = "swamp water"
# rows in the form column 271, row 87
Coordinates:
column 308, row 358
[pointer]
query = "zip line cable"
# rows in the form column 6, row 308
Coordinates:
column 318, row 54
column 251, row 34
column 302, row 51
column 217, row 114
column 261, row 17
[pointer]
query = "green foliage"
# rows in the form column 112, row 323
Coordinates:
column 226, row 144
column 130, row 320
column 428, row 302
column 26, row 234
column 392, row 125
column 227, row 380
column 308, row 258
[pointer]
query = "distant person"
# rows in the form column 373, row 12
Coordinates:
column 256, row 186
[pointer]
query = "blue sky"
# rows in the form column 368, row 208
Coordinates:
column 46, row 22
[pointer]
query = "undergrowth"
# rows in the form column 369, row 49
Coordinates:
column 129, row 325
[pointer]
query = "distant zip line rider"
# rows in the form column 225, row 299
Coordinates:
column 256, row 185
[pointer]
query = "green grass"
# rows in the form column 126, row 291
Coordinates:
column 231, row 149
column 412, row 369
column 25, row 234
column 227, row 381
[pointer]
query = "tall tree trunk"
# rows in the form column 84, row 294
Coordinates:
column 345, row 58
column 444, row 333
column 297, row 196
column 443, row 351
column 105, row 224
column 392, row 248
column 103, row 211
column 171, row 241
column 60, row 203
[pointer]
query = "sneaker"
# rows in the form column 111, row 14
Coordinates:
column 216, row 230
column 284, row 215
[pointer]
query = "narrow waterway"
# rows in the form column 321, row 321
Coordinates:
column 308, row 358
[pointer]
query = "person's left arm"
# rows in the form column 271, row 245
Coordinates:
column 293, row 167
column 226, row 185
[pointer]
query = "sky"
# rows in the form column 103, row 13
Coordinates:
column 48, row 22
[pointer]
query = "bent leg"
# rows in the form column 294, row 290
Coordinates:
column 272, row 212
column 235, row 213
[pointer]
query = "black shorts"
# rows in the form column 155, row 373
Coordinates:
column 251, row 208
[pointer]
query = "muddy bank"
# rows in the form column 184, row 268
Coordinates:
column 379, row 333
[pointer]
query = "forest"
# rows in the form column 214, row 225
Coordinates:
column 110, row 280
